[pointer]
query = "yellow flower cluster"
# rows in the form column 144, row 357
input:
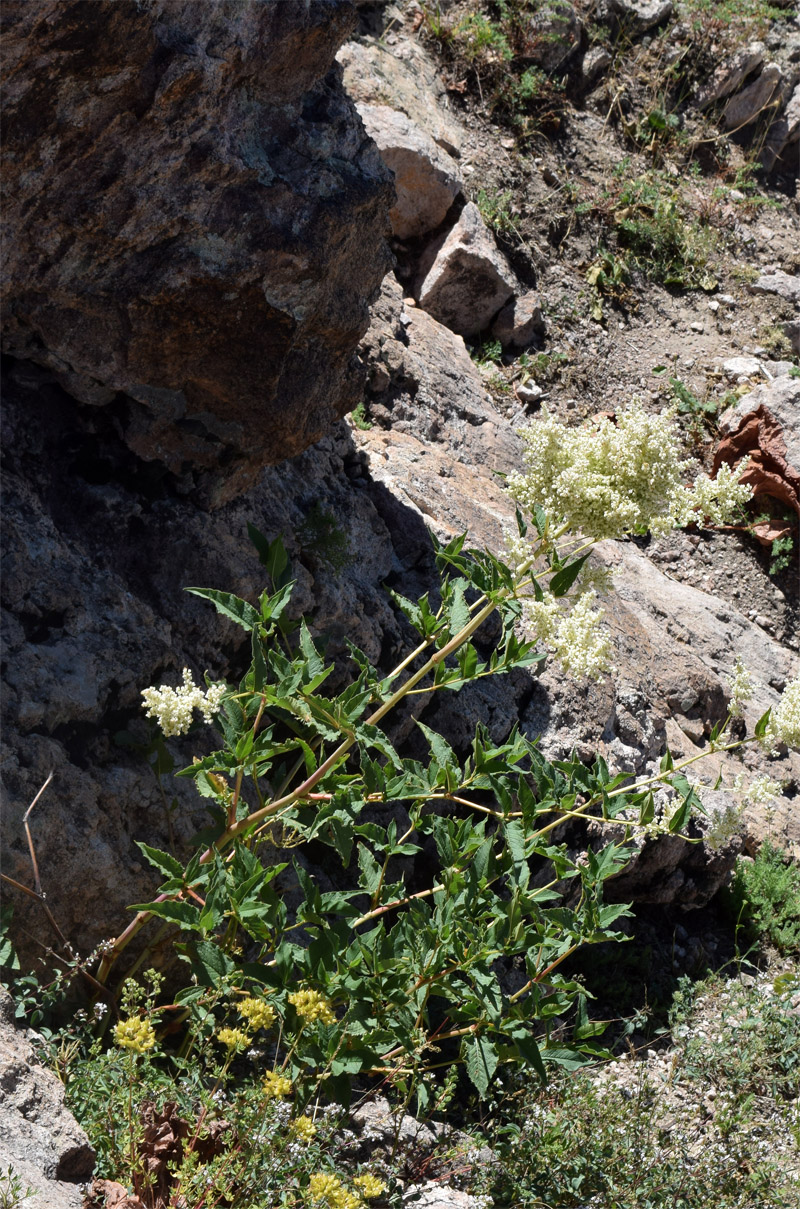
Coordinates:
column 234, row 1038
column 304, row 1129
column 276, row 1086
column 369, row 1185
column 256, row 1012
column 312, row 1006
column 328, row 1190
column 135, row 1034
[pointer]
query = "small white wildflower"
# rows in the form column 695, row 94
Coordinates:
column 583, row 644
column 517, row 548
column 761, row 789
column 784, row 722
column 173, row 707
column 741, row 686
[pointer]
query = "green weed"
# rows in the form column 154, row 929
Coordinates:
column 764, row 897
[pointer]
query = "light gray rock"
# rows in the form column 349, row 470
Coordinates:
column 469, row 279
column 440, row 1196
column 751, row 102
column 792, row 330
column 641, row 15
column 781, row 146
column 426, row 178
column 404, row 77
column 39, row 1138
column 730, row 74
column 782, row 399
column 595, row 62
column 519, row 322
column 734, row 366
column 777, row 282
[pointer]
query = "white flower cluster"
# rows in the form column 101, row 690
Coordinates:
column 784, row 722
column 723, row 822
column 173, row 707
column 741, row 689
column 760, row 790
column 611, row 478
column 580, row 641
column 718, row 499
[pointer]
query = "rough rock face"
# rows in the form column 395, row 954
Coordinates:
column 426, row 178
column 731, row 73
column 468, row 280
column 407, row 80
column 783, row 136
column 39, row 1138
column 746, row 105
column 195, row 220
column 640, row 15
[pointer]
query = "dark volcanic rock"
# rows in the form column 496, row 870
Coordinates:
column 194, row 220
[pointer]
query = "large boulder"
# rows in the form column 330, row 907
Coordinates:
column 406, row 78
column 467, row 280
column 194, row 220
column 765, row 427
column 780, row 149
column 731, row 73
column 40, row 1140
column 426, row 179
column 638, row 16
column 745, row 106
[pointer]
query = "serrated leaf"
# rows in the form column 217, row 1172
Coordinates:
column 230, row 606
column 480, row 1059
column 161, row 860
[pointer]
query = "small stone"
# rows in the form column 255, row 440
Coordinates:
column 697, row 327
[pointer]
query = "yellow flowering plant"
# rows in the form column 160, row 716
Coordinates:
column 372, row 978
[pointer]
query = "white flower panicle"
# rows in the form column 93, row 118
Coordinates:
column 741, row 687
column 611, row 478
column 718, row 499
column 761, row 789
column 173, row 707
column 583, row 644
column 517, row 548
column 723, row 822
column 784, row 722
column 580, row 641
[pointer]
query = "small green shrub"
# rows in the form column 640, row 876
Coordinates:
column 637, row 1134
column 322, row 537
column 764, row 897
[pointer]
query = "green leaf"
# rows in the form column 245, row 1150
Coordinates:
column 271, row 555
column 162, row 860
column 563, row 580
column 231, row 606
column 762, row 724
column 186, row 915
column 272, row 607
column 458, row 609
column 480, row 1059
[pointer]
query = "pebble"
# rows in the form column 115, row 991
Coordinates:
column 697, row 327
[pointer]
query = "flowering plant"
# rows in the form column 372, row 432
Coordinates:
column 369, row 975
